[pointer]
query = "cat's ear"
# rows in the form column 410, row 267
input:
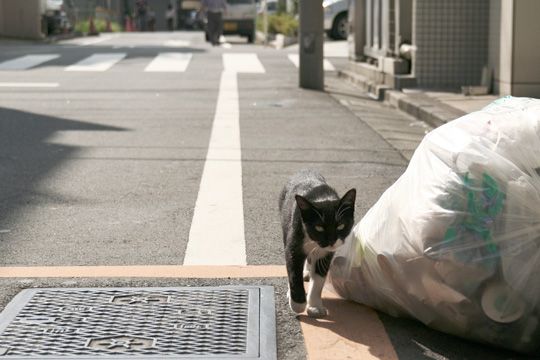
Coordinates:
column 303, row 203
column 307, row 210
column 348, row 199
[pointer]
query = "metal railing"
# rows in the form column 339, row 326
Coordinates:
column 382, row 28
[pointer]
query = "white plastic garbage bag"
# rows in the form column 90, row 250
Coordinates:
column 455, row 241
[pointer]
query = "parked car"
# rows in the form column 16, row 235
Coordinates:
column 336, row 22
column 55, row 17
column 240, row 18
column 271, row 7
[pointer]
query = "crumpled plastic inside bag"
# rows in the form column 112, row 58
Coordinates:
column 455, row 241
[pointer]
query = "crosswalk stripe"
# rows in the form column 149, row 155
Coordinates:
column 327, row 65
column 170, row 62
column 27, row 62
column 85, row 41
column 97, row 62
column 176, row 43
column 242, row 62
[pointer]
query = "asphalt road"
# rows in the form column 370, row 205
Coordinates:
column 104, row 168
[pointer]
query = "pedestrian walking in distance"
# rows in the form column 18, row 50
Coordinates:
column 214, row 14
column 151, row 19
column 169, row 15
column 142, row 8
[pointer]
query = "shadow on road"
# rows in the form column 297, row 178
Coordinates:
column 26, row 158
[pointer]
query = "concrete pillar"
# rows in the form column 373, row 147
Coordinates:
column 311, row 44
column 514, row 59
column 21, row 19
column 504, row 76
column 357, row 29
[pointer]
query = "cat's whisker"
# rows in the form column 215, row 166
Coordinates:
column 341, row 211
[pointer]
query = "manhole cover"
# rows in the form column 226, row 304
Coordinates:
column 231, row 322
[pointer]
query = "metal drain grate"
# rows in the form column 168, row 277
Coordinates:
column 231, row 322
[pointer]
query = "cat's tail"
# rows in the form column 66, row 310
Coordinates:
column 282, row 197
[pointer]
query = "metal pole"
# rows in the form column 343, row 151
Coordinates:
column 311, row 45
column 265, row 22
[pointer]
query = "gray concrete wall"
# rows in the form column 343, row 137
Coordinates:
column 451, row 39
column 357, row 30
column 504, row 74
column 494, row 52
column 405, row 21
column 21, row 19
column 513, row 56
column 526, row 52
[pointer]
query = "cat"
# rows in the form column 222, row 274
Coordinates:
column 315, row 222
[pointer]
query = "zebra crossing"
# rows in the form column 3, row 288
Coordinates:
column 97, row 62
column 27, row 62
column 169, row 62
column 163, row 62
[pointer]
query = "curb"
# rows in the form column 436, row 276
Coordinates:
column 414, row 103
column 422, row 107
column 55, row 38
column 45, row 40
column 375, row 91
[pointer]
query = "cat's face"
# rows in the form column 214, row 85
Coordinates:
column 328, row 223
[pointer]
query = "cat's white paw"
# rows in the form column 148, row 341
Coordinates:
column 296, row 307
column 317, row 311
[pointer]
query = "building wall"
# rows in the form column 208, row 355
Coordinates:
column 451, row 39
column 503, row 75
column 494, row 52
column 21, row 19
column 526, row 52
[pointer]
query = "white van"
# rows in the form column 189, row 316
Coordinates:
column 239, row 19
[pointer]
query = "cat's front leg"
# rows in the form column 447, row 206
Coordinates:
column 318, row 271
column 296, row 293
column 307, row 265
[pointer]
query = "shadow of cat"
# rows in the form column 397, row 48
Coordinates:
column 358, row 327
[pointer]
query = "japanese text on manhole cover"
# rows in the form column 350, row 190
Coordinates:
column 167, row 323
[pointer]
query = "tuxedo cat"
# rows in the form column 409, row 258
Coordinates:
column 315, row 223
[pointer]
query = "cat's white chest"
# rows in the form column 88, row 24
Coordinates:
column 313, row 250
column 309, row 245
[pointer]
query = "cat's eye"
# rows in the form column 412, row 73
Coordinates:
column 341, row 226
column 319, row 228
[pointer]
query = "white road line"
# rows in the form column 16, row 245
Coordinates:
column 27, row 62
column 169, row 62
column 327, row 65
column 97, row 62
column 28, row 85
column 176, row 43
column 242, row 62
column 216, row 236
column 89, row 41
